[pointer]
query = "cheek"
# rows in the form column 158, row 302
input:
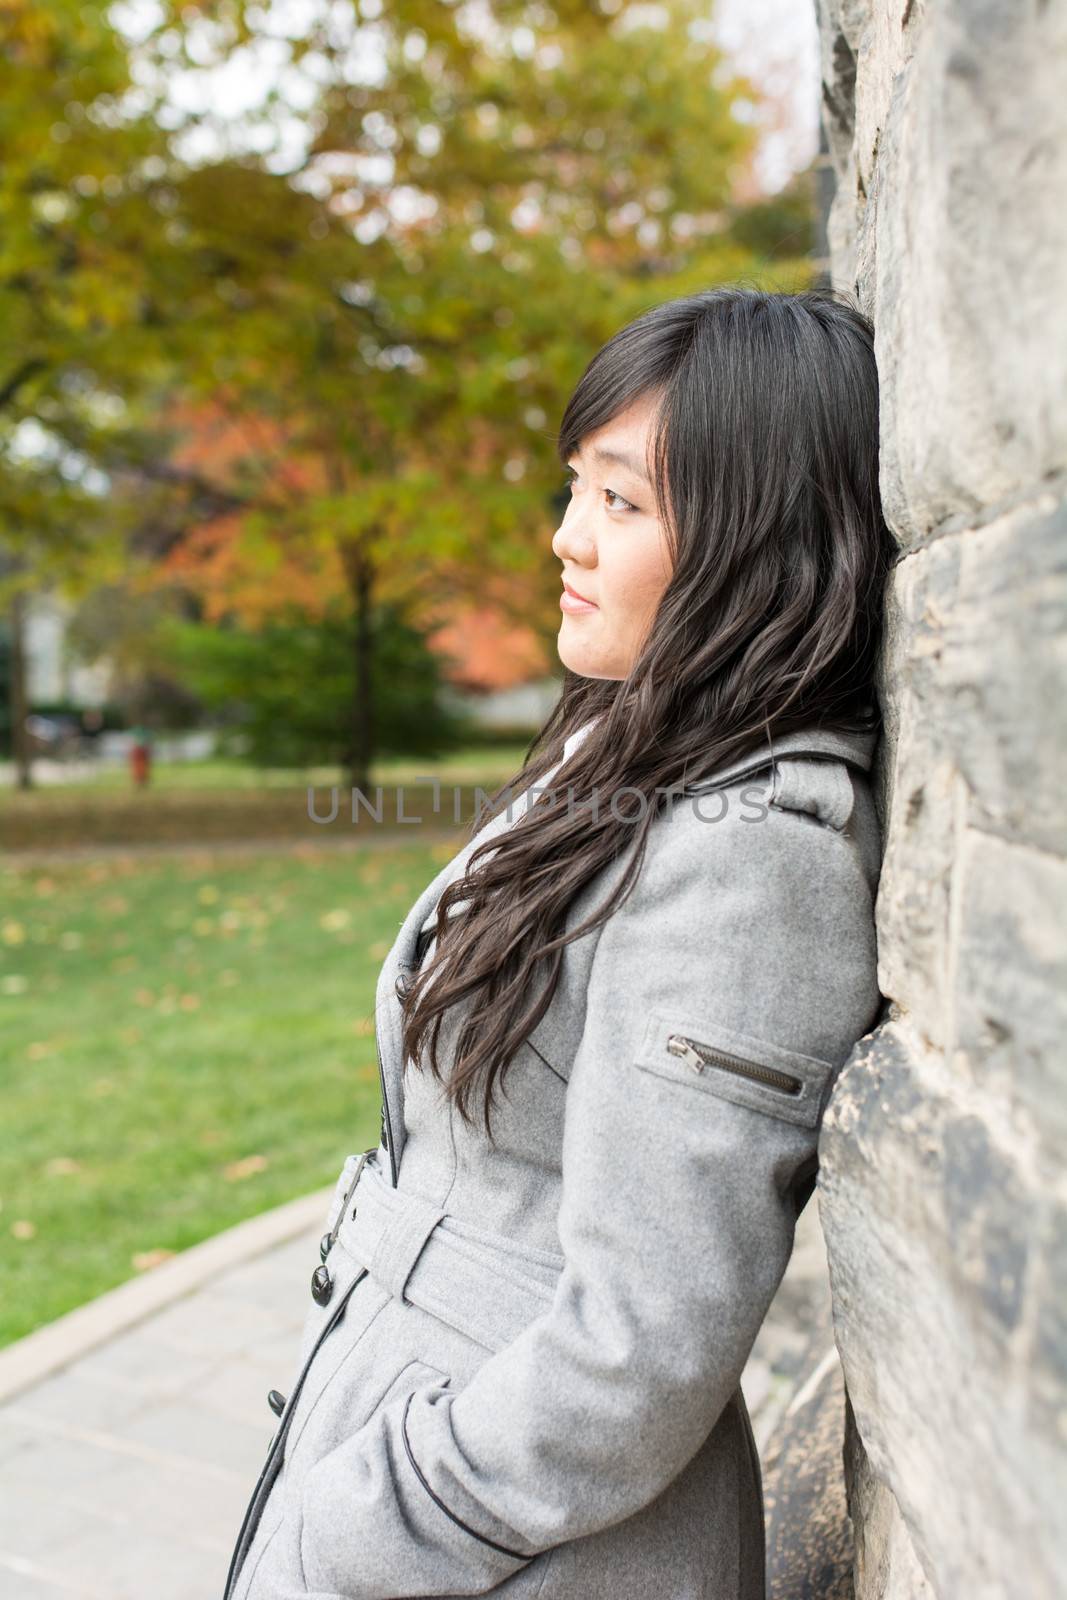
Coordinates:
column 634, row 576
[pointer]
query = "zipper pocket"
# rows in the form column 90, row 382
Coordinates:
column 698, row 1056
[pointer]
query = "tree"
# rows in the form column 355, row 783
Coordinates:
column 287, row 685
column 385, row 337
column 338, row 374
column 80, row 169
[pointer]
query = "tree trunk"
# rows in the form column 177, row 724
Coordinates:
column 361, row 728
column 20, row 739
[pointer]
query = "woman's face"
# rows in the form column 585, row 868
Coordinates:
column 613, row 548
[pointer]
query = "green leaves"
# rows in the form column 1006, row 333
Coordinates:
column 291, row 683
column 241, row 367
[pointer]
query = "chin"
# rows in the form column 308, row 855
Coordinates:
column 578, row 662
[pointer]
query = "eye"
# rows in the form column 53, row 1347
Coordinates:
column 623, row 505
column 615, row 502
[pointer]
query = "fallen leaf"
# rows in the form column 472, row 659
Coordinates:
column 146, row 1259
column 333, row 920
column 61, row 1166
column 247, row 1167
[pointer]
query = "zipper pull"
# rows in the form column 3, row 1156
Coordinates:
column 681, row 1047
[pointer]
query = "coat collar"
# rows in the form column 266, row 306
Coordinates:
column 857, row 749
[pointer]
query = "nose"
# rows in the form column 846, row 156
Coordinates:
column 571, row 541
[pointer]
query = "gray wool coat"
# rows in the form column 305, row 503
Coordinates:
column 523, row 1378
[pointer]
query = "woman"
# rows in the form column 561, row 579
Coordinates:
column 603, row 1081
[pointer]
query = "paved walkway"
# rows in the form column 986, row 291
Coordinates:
column 125, row 1475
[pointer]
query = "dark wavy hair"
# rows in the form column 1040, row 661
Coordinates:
column 764, row 450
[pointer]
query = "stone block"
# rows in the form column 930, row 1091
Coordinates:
column 937, row 1220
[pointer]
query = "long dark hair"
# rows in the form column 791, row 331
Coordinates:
column 765, row 445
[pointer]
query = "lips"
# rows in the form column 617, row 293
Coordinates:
column 574, row 595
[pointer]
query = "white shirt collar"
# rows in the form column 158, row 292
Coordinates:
column 573, row 740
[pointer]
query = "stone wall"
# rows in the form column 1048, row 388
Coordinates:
column 942, row 1189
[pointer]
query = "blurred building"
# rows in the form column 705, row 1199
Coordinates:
column 54, row 673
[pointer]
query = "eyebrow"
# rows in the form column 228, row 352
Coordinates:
column 623, row 459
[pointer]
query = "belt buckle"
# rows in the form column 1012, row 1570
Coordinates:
column 351, row 1190
column 321, row 1280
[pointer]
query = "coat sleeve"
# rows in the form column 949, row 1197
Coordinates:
column 754, row 939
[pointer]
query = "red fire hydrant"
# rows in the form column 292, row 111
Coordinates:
column 141, row 758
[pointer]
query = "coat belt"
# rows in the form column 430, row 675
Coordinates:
column 478, row 1282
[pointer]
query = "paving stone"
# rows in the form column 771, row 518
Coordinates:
column 122, row 1568
column 15, row 1438
column 171, row 1500
column 19, row 1578
column 81, row 1400
column 218, row 1324
column 34, row 1529
column 50, row 1463
column 755, row 1384
column 238, row 1388
column 279, row 1281
column 281, row 1353
column 139, row 1359
column 185, row 1430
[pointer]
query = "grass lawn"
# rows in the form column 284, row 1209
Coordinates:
column 184, row 1042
